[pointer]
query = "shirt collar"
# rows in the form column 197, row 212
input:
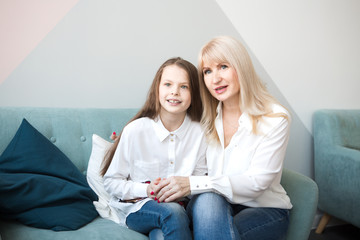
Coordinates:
column 163, row 133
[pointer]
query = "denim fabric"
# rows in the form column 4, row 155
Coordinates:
column 171, row 218
column 213, row 217
column 155, row 234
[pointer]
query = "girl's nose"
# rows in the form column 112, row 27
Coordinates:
column 175, row 91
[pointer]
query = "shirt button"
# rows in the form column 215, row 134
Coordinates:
column 197, row 186
column 171, row 134
column 172, row 140
column 172, row 162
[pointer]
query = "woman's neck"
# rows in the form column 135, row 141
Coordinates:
column 231, row 107
column 231, row 114
column 172, row 121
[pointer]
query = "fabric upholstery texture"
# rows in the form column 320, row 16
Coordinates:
column 40, row 186
column 99, row 229
column 303, row 193
column 337, row 163
column 71, row 130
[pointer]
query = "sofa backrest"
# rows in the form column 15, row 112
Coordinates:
column 70, row 129
column 337, row 128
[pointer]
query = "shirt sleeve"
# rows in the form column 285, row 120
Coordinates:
column 116, row 180
column 220, row 185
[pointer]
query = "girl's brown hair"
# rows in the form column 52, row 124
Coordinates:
column 151, row 108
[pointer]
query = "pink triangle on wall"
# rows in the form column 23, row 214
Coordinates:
column 23, row 24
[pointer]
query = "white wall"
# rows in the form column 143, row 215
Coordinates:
column 310, row 49
column 105, row 53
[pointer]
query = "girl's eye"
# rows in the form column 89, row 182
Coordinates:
column 167, row 84
column 184, row 87
column 207, row 72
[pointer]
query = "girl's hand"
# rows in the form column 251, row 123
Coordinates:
column 150, row 189
column 113, row 136
column 170, row 189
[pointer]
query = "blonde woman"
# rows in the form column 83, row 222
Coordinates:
column 247, row 132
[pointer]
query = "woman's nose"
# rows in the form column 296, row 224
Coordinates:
column 216, row 77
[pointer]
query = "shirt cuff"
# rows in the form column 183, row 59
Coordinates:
column 200, row 184
column 140, row 190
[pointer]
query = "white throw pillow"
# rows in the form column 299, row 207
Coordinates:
column 95, row 180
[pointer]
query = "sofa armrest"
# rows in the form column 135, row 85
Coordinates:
column 337, row 174
column 303, row 193
column 337, row 161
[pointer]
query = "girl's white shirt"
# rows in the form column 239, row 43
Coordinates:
column 248, row 171
column 146, row 151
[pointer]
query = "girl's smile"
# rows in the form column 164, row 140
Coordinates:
column 174, row 91
column 174, row 102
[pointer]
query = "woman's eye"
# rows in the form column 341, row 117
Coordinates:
column 167, row 84
column 206, row 72
column 224, row 66
column 184, row 87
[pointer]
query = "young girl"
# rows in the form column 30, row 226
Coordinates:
column 164, row 139
column 248, row 132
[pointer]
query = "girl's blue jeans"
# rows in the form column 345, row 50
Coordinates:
column 170, row 218
column 213, row 217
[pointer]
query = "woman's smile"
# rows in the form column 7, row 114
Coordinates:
column 220, row 89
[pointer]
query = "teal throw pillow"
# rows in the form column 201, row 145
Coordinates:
column 40, row 186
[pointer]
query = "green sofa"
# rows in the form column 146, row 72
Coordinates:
column 337, row 164
column 73, row 129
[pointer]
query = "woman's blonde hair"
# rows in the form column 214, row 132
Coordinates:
column 254, row 98
column 152, row 106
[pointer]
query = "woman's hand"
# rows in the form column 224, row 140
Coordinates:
column 172, row 188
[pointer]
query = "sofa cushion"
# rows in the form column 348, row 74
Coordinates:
column 40, row 186
column 99, row 148
column 98, row 229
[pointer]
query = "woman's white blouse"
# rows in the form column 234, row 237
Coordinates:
column 248, row 171
column 146, row 151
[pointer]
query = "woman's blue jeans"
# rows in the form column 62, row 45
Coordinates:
column 213, row 217
column 171, row 218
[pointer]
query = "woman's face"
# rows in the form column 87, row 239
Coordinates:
column 174, row 91
column 222, row 81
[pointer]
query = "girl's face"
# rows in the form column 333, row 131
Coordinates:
column 174, row 91
column 222, row 81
